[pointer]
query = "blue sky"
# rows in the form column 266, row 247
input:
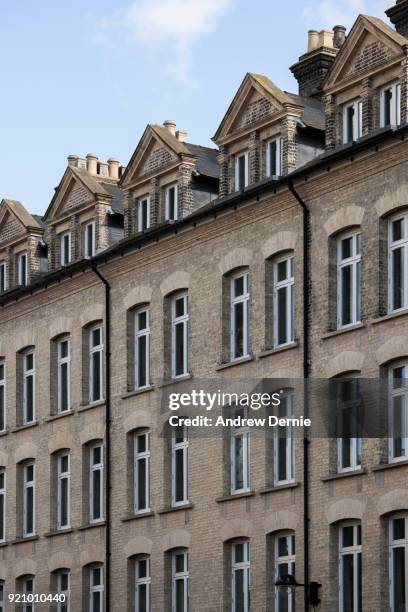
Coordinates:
column 87, row 76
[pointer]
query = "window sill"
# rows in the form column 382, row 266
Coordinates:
column 3, row 544
column 32, row 538
column 174, row 381
column 138, row 392
column 188, row 506
column 5, row 432
column 92, row 526
column 390, row 466
column 84, row 407
column 58, row 532
column 135, row 517
column 343, row 475
column 61, row 415
column 236, row 362
column 22, row 427
column 226, row 498
column 279, row 349
column 390, row 316
column 282, row 487
column 343, row 330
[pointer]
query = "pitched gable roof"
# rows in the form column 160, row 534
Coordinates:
column 20, row 212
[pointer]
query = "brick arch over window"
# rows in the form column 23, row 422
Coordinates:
column 394, row 348
column 138, row 546
column 347, row 361
column 25, row 340
column 343, row 218
column 138, row 295
column 60, row 327
column 3, row 459
column 238, row 258
column 25, row 567
column 393, row 501
column 281, row 521
column 59, row 560
column 4, row 569
column 175, row 282
column 28, row 450
column 94, row 431
column 389, row 202
column 236, row 528
column 278, row 243
column 94, row 553
column 137, row 420
column 91, row 314
column 178, row 538
column 344, row 510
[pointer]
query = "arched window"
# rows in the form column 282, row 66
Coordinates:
column 63, row 374
column 141, row 471
column 285, row 563
column 241, row 575
column 239, row 314
column 283, row 300
column 61, row 585
column 63, row 489
column 26, row 585
column 398, row 542
column 179, row 335
column 398, row 261
column 96, row 482
column 141, row 350
column 96, row 588
column 142, row 584
column 179, row 466
column 350, row 568
column 398, row 412
column 349, row 420
column 240, row 473
column 284, row 442
column 348, row 278
column 180, row 580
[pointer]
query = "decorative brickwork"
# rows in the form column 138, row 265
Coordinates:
column 185, row 193
column 12, row 228
column 75, row 230
column 404, row 86
column 77, row 196
column 255, row 111
column 155, row 213
column 223, row 161
column 289, row 143
column 101, row 227
column 374, row 54
column 368, row 94
column 159, row 157
column 331, row 121
column 254, row 157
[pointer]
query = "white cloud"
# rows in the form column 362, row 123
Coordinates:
column 172, row 25
column 327, row 13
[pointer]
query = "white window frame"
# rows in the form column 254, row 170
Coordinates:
column 3, row 276
column 179, row 447
column 398, row 392
column 395, row 118
column 28, row 607
column 288, row 286
column 99, row 588
column 245, row 567
column 64, row 606
column 353, row 262
column 392, row 246
column 27, row 374
column 139, row 334
column 3, row 497
column 236, row 300
column 279, row 150
column 177, row 576
column 93, row 469
column 290, row 561
column 167, row 202
column 144, row 458
column 286, row 409
column 27, row 485
column 63, row 476
column 355, row 551
column 22, row 272
column 142, row 581
column 88, row 254
column 356, row 444
column 3, row 414
column 357, row 128
column 393, row 544
column 140, row 206
column 238, row 156
column 61, row 363
column 93, row 349
column 240, row 434
column 182, row 320
column 66, row 257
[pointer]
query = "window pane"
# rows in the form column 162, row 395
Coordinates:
column 398, row 529
column 2, row 517
column 30, row 510
column 64, row 502
column 142, row 598
column 239, row 552
column 179, row 307
column 241, row 171
column 64, row 386
column 2, row 409
column 179, row 362
column 397, row 230
column 282, row 271
column 96, row 376
column 239, row 462
column 398, row 278
column 141, row 443
column 30, row 398
column 282, row 296
column 96, row 337
column 239, row 591
column 141, row 361
column 141, row 481
column 346, row 286
column 96, row 492
column 273, row 158
column 180, row 602
column 348, row 536
column 349, row 120
column 180, row 563
column 399, row 585
column 387, row 106
column 142, row 320
column 348, row 583
column 179, row 459
column 239, row 329
column 96, row 602
column 238, row 286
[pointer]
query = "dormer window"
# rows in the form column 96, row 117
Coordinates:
column 143, row 214
column 352, row 121
column 241, row 171
column 274, row 157
column 22, row 276
column 171, row 194
column 65, row 245
column 3, row 276
column 391, row 105
column 90, row 239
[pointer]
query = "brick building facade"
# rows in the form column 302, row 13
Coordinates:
column 188, row 286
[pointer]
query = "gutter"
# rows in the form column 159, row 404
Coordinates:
column 306, row 442
column 108, row 419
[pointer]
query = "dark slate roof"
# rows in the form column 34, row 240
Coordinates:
column 40, row 221
column 207, row 163
column 118, row 197
column 313, row 114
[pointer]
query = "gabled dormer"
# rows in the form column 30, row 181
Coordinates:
column 85, row 215
column 367, row 83
column 23, row 255
column 266, row 132
column 167, row 178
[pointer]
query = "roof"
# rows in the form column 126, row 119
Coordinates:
column 22, row 214
column 388, row 30
column 118, row 196
column 207, row 163
column 313, row 114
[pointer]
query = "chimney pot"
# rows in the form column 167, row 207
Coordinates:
column 72, row 160
column 313, row 41
column 113, row 165
column 339, row 36
column 171, row 126
column 326, row 39
column 92, row 163
column 181, row 135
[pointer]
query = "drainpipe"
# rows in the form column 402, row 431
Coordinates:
column 107, row 433
column 306, row 441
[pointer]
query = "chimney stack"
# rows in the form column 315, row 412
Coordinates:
column 398, row 15
column 171, row 126
column 92, row 163
column 72, row 161
column 181, row 135
column 339, row 36
column 113, row 165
